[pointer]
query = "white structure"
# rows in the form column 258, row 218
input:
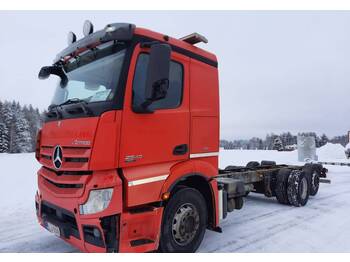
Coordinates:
column 306, row 148
column 347, row 150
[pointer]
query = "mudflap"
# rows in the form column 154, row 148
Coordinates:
column 269, row 185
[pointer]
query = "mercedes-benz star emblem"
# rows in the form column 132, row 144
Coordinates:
column 57, row 157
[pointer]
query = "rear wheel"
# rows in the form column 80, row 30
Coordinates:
column 268, row 163
column 231, row 168
column 313, row 176
column 184, row 222
column 314, row 183
column 252, row 164
column 281, row 186
column 298, row 188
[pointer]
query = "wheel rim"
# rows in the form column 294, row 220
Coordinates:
column 303, row 188
column 314, row 179
column 185, row 224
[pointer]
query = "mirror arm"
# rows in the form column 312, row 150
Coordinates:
column 57, row 70
column 46, row 71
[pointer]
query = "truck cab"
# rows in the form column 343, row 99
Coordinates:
column 130, row 143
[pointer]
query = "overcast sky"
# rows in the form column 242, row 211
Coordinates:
column 279, row 71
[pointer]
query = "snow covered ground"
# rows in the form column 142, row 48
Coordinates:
column 262, row 225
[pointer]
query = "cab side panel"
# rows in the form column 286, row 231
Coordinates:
column 204, row 102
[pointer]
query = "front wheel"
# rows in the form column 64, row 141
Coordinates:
column 184, row 222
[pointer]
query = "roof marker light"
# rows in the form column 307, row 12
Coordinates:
column 88, row 28
column 71, row 38
column 110, row 28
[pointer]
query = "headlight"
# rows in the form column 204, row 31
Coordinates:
column 98, row 200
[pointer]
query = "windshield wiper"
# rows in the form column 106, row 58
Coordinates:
column 58, row 112
column 72, row 101
column 82, row 103
column 79, row 101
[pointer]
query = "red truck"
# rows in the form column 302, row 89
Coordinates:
column 129, row 148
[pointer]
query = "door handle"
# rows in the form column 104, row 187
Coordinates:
column 180, row 150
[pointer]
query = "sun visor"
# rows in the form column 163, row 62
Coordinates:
column 116, row 31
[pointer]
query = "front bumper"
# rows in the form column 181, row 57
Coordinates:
column 88, row 235
column 111, row 230
column 57, row 205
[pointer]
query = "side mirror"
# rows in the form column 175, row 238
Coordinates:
column 157, row 81
column 46, row 71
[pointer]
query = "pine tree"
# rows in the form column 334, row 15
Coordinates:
column 3, row 140
column 1, row 107
column 277, row 144
column 22, row 141
column 18, row 127
column 34, row 120
column 7, row 116
column 324, row 140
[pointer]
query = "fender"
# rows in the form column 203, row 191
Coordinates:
column 191, row 169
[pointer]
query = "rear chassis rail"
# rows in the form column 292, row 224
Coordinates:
column 257, row 174
column 236, row 182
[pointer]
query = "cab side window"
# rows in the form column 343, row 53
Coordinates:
column 174, row 95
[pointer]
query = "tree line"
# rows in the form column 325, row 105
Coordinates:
column 282, row 141
column 18, row 127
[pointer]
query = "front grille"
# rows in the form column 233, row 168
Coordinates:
column 64, row 185
column 69, row 173
column 74, row 158
column 46, row 157
column 64, row 219
column 46, row 146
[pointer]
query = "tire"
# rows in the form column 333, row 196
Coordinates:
column 230, row 168
column 252, row 164
column 268, row 163
column 281, row 186
column 184, row 222
column 318, row 168
column 314, row 184
column 298, row 188
column 313, row 177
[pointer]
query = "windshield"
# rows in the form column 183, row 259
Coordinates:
column 94, row 82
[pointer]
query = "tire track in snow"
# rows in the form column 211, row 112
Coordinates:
column 250, row 237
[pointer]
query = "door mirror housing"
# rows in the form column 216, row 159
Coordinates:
column 46, row 71
column 157, row 81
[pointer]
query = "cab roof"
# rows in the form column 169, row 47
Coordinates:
column 127, row 32
column 176, row 42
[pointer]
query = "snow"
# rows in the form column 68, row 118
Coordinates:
column 262, row 225
column 331, row 151
column 347, row 146
column 19, row 230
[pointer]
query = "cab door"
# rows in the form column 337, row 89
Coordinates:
column 161, row 138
